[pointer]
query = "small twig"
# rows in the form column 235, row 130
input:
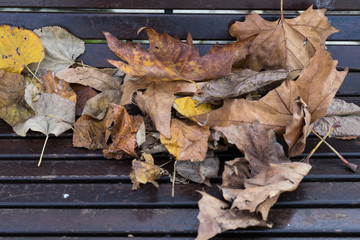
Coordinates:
column 164, row 164
column 43, row 149
column 350, row 165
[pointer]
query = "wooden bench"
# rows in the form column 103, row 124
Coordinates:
column 79, row 194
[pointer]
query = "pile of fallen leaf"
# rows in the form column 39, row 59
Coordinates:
column 276, row 80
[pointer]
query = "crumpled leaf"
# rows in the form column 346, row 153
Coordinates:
column 216, row 217
column 263, row 190
column 97, row 105
column 169, row 59
column 347, row 114
column 61, row 48
column 19, row 47
column 53, row 114
column 189, row 107
column 89, row 77
column 188, row 140
column 13, row 108
column 123, row 133
column 199, row 172
column 285, row 43
column 158, row 100
column 144, row 171
column 52, row 84
column 235, row 172
column 316, row 86
column 237, row 84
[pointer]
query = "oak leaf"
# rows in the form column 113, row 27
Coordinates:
column 169, row 59
column 13, row 108
column 158, row 100
column 215, row 217
column 89, row 77
column 123, row 133
column 344, row 113
column 188, row 140
column 61, row 48
column 19, row 47
column 316, row 86
column 238, row 83
column 285, row 43
column 144, row 171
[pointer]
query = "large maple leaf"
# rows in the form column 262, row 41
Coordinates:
column 285, row 43
column 170, row 59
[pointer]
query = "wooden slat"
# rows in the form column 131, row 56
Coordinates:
column 125, row 26
column 113, row 195
column 70, row 222
column 182, row 4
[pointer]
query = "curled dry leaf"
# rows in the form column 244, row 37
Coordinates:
column 347, row 114
column 19, row 47
column 53, row 114
column 169, row 59
column 57, row 86
column 144, row 171
column 238, row 83
column 285, row 43
column 61, row 48
column 188, row 140
column 158, row 99
column 83, row 94
column 89, row 77
column 235, row 172
column 98, row 105
column 123, row 133
column 316, row 86
column 13, row 108
column 199, row 172
column 216, row 217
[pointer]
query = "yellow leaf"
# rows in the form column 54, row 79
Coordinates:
column 19, row 47
column 188, row 107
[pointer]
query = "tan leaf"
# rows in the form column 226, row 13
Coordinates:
column 170, row 59
column 83, row 94
column 97, row 105
column 130, row 87
column 347, row 114
column 237, row 84
column 158, row 100
column 316, row 85
column 235, row 172
column 13, row 108
column 57, row 86
column 144, row 171
column 285, row 43
column 199, row 172
column 89, row 77
column 123, row 133
column 53, row 114
column 188, row 140
column 61, row 48
column 216, row 217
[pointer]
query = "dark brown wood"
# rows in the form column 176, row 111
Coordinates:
column 182, row 4
column 125, row 26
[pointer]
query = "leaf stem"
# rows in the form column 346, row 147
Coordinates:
column 351, row 166
column 33, row 74
column 173, row 181
column 43, row 149
column 281, row 9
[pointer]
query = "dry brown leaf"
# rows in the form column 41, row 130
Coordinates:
column 216, row 217
column 237, row 84
column 263, row 190
column 57, row 86
column 188, row 140
column 89, row 77
column 235, row 172
column 123, row 133
column 144, row 171
column 158, row 100
column 199, row 172
column 169, row 59
column 130, row 87
column 347, row 114
column 83, row 94
column 285, row 43
column 316, row 85
column 13, row 108
column 98, row 105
